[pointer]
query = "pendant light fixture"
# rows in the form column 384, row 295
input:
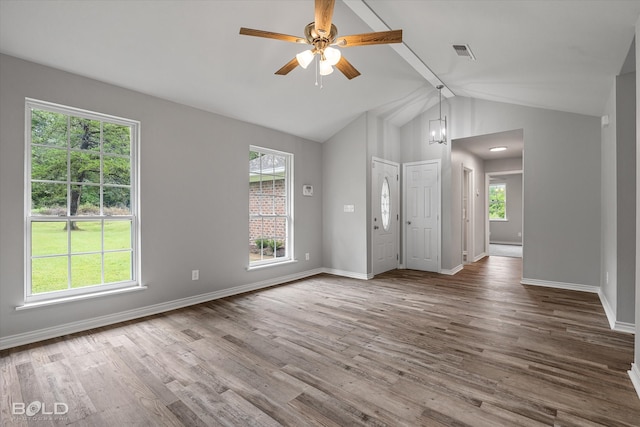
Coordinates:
column 438, row 127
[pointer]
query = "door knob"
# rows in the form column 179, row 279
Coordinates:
column 375, row 227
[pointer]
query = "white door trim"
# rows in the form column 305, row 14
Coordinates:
column 470, row 229
column 404, row 208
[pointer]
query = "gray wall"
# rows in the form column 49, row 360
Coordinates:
column 563, row 243
column 608, row 210
column 618, row 206
column 347, row 180
column 637, row 322
column 626, row 189
column 344, row 174
column 194, row 196
column 507, row 231
column 503, row 165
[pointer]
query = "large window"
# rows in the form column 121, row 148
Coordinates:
column 498, row 202
column 270, row 206
column 81, row 210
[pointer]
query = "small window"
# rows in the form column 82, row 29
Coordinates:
column 270, row 207
column 498, row 202
column 80, row 202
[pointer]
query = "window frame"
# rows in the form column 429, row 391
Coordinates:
column 504, row 185
column 289, row 203
column 71, row 293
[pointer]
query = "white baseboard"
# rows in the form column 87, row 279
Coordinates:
column 561, row 285
column 634, row 374
column 616, row 325
column 608, row 310
column 350, row 274
column 479, row 257
column 628, row 328
column 506, row 243
column 452, row 271
column 110, row 319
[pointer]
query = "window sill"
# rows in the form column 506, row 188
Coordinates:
column 62, row 300
column 499, row 220
column 271, row 264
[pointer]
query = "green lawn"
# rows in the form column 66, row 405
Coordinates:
column 52, row 240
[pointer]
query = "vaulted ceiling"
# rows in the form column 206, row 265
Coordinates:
column 559, row 55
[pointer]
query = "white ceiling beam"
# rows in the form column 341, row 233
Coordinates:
column 364, row 12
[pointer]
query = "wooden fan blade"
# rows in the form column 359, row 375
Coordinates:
column 271, row 35
column 324, row 14
column 381, row 37
column 347, row 69
column 287, row 67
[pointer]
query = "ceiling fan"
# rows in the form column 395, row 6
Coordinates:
column 322, row 35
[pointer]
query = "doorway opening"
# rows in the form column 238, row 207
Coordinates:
column 476, row 160
column 504, row 213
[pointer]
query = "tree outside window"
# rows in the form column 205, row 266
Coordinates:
column 498, row 201
column 81, row 211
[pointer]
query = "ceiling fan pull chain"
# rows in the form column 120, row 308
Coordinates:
column 316, row 61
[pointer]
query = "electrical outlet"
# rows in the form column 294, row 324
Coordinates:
column 306, row 256
column 195, row 274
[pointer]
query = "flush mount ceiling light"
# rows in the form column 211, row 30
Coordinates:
column 321, row 35
column 494, row 149
column 438, row 127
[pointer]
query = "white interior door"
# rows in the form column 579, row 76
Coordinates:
column 385, row 214
column 422, row 215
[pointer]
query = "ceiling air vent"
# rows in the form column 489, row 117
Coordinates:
column 464, row 50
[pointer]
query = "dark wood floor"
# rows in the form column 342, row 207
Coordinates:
column 407, row 348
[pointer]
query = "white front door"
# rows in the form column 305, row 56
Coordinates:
column 385, row 214
column 422, row 215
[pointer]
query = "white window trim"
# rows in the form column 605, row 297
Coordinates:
column 289, row 258
column 506, row 217
column 48, row 298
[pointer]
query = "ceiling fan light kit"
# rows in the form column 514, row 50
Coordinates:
column 305, row 58
column 325, row 68
column 322, row 35
column 332, row 55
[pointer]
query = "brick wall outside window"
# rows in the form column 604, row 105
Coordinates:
column 268, row 198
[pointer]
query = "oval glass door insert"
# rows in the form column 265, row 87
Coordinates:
column 385, row 199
